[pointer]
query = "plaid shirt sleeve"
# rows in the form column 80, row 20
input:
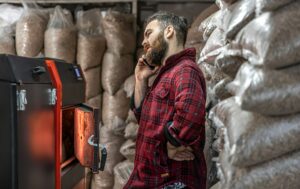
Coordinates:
column 136, row 110
column 186, row 128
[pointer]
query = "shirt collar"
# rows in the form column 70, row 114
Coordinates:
column 189, row 53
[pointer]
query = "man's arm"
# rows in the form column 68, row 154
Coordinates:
column 186, row 129
column 142, row 74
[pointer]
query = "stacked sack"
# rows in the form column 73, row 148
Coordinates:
column 90, row 50
column 117, row 66
column 219, row 66
column 9, row 15
column 30, row 30
column 194, row 36
column 122, row 170
column 260, row 125
column 61, row 36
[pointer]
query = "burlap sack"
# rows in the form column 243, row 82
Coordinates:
column 112, row 143
column 61, row 36
column 91, row 42
column 278, row 173
column 7, row 42
column 102, row 180
column 128, row 150
column 269, row 92
column 129, row 85
column 92, row 78
column 131, row 117
column 114, row 106
column 270, row 40
column 30, row 32
column 122, row 172
column 115, row 70
column 131, row 130
column 252, row 138
column 118, row 29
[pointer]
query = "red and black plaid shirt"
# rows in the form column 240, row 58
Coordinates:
column 176, row 98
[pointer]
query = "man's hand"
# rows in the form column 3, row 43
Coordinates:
column 142, row 71
column 180, row 153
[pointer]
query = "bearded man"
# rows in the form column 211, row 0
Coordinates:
column 170, row 113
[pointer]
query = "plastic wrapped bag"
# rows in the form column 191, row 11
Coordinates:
column 251, row 138
column 128, row 150
column 278, row 173
column 122, row 172
column 269, row 92
column 210, row 24
column 95, row 101
column 30, row 30
column 114, row 106
column 118, row 29
column 115, row 70
column 102, row 180
column 194, row 36
column 270, row 5
column 220, row 90
column 228, row 62
column 272, row 39
column 61, row 36
column 238, row 15
column 213, row 47
column 91, row 42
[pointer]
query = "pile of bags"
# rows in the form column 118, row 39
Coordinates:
column 118, row 85
column 258, row 127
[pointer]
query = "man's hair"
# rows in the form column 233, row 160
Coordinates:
column 178, row 22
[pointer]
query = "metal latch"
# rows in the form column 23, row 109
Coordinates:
column 21, row 100
column 52, row 96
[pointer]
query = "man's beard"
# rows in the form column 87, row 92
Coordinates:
column 158, row 51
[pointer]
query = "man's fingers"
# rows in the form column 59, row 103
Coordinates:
column 184, row 156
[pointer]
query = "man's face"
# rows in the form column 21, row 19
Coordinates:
column 155, row 46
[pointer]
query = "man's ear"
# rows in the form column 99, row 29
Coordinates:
column 169, row 32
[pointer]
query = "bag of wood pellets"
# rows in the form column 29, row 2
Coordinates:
column 115, row 70
column 131, row 117
column 7, row 42
column 129, row 85
column 9, row 15
column 213, row 47
column 212, row 22
column 194, row 36
column 229, row 62
column 122, row 172
column 237, row 16
column 131, row 130
column 91, row 41
column 220, row 90
column 252, row 138
column 114, row 106
column 270, row 40
column 269, row 92
column 279, row 173
column 93, row 84
column 30, row 30
column 118, row 29
column 128, row 150
column 270, row 5
column 102, row 180
column 61, row 36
